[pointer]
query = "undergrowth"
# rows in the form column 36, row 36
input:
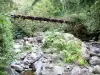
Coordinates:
column 65, row 42
column 6, row 55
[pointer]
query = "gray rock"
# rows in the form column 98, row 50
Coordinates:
column 58, row 70
column 17, row 67
column 30, row 40
column 39, row 39
column 90, row 69
column 94, row 48
column 27, row 43
column 47, row 64
column 23, row 55
column 76, row 70
column 80, row 71
column 17, row 46
column 85, row 71
column 38, row 65
column 47, row 69
column 31, row 58
column 95, row 51
column 34, row 40
column 68, row 67
column 9, row 71
column 85, row 51
column 94, row 60
column 96, row 69
column 25, row 38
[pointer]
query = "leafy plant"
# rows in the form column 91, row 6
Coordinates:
column 5, row 6
column 26, row 48
column 29, row 27
column 5, row 40
column 67, row 43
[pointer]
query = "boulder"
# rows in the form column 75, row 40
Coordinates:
column 58, row 70
column 80, row 71
column 47, row 69
column 32, row 40
column 31, row 58
column 96, row 69
column 94, row 60
column 85, row 51
column 17, row 46
column 76, row 70
column 9, row 71
column 94, row 49
column 68, row 67
column 17, row 67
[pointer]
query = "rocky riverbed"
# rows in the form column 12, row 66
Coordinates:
column 37, row 61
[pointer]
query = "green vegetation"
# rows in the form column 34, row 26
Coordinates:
column 5, row 40
column 93, row 17
column 85, row 12
column 6, row 36
column 5, row 6
column 65, row 42
column 29, row 27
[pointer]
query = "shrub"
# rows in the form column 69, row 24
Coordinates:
column 94, row 17
column 65, row 42
column 5, row 40
column 29, row 27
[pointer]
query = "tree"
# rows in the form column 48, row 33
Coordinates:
column 5, row 33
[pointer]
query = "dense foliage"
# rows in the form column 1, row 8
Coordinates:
column 94, row 16
column 84, row 12
column 65, row 42
column 6, row 36
column 5, row 6
column 29, row 27
column 5, row 40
